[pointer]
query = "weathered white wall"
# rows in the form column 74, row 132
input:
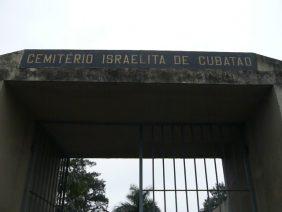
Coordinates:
column 264, row 134
column 15, row 144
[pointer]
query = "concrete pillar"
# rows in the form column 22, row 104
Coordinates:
column 264, row 134
column 15, row 144
column 238, row 197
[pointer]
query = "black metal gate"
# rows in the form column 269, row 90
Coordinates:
column 198, row 143
column 47, row 171
column 199, row 148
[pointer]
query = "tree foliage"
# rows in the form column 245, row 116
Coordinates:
column 132, row 205
column 85, row 192
column 218, row 195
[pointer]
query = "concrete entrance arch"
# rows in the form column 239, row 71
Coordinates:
column 92, row 103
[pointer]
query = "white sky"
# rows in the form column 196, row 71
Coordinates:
column 192, row 25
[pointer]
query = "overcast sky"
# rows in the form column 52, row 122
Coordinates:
column 191, row 25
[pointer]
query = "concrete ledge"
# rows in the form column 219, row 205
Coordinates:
column 269, row 71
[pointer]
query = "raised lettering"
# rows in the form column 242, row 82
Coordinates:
column 60, row 57
column 126, row 60
column 134, row 59
column 201, row 60
column 232, row 60
column 47, row 58
column 240, row 62
column 38, row 58
column 77, row 58
column 185, row 60
column 226, row 61
column 83, row 58
column 141, row 60
column 210, row 60
column 155, row 58
column 68, row 58
column 117, row 58
column 109, row 58
column 162, row 60
column 177, row 59
column 54, row 59
column 248, row 61
column 89, row 58
column 218, row 61
column 30, row 58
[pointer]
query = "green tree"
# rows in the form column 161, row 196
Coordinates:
column 84, row 191
column 218, row 195
column 132, row 205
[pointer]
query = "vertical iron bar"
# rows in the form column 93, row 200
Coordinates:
column 215, row 165
column 185, row 180
column 216, row 175
column 141, row 168
column 197, row 189
column 39, row 150
column 52, row 178
column 162, row 138
column 38, row 183
column 52, row 169
column 195, row 170
column 56, row 182
column 48, row 174
column 31, row 170
column 153, row 168
column 249, row 182
column 175, row 189
column 42, row 174
column 65, row 182
column 49, row 180
column 184, row 166
column 226, row 186
column 61, row 166
column 207, row 183
column 174, row 175
column 63, row 178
